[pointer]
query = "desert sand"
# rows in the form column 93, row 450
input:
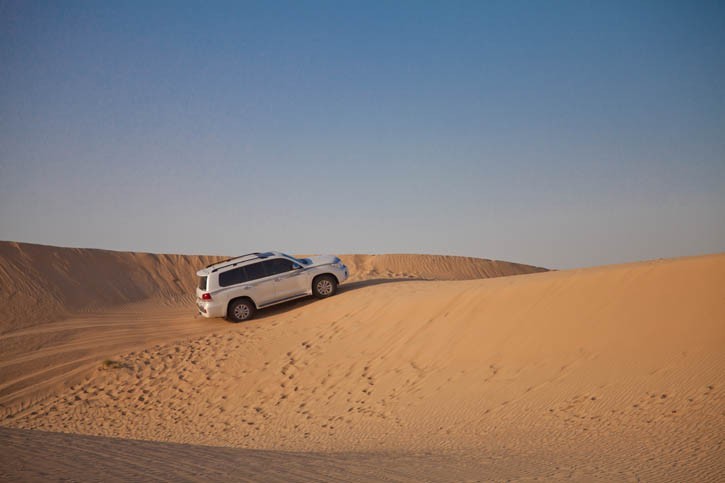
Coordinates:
column 422, row 368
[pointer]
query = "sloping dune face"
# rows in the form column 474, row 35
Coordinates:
column 65, row 309
column 41, row 283
column 611, row 373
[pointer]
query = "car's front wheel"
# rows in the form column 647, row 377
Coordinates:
column 240, row 310
column 324, row 286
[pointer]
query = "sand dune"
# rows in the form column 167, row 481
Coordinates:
column 44, row 283
column 430, row 267
column 612, row 373
column 103, row 303
column 31, row 455
column 41, row 456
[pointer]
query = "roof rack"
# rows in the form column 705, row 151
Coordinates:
column 230, row 259
column 244, row 258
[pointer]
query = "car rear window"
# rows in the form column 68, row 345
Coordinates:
column 202, row 283
column 232, row 277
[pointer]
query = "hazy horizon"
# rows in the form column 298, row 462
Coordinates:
column 560, row 135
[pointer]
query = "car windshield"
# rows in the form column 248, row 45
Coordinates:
column 303, row 261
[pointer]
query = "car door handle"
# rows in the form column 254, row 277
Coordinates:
column 279, row 279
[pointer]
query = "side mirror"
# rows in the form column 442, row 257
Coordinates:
column 296, row 266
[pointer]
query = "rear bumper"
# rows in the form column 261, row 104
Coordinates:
column 210, row 309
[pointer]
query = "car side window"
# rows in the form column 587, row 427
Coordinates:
column 278, row 265
column 255, row 271
column 232, row 277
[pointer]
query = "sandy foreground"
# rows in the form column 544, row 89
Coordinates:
column 611, row 373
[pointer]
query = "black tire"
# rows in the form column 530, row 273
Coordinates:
column 324, row 286
column 240, row 310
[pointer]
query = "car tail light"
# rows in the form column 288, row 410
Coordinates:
column 206, row 296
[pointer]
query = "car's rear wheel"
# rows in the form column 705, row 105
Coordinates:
column 240, row 310
column 324, row 286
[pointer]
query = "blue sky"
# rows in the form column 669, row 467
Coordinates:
column 561, row 134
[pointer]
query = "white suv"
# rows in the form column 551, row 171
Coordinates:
column 237, row 287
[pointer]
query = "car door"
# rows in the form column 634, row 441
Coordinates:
column 260, row 283
column 289, row 280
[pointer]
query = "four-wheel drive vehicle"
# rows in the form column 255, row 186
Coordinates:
column 237, row 287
